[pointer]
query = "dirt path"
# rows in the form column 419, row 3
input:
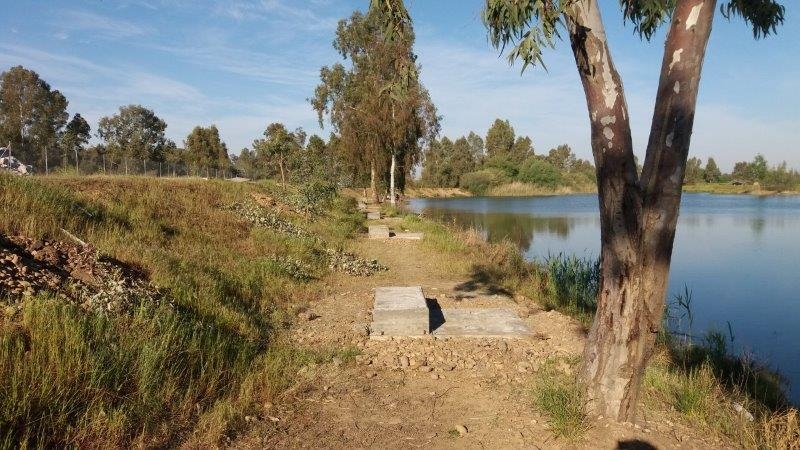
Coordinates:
column 418, row 393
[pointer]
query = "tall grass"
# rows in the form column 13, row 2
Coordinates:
column 162, row 374
column 573, row 283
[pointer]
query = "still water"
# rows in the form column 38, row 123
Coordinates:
column 739, row 256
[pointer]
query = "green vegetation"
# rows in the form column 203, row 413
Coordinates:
column 747, row 177
column 505, row 165
column 562, row 399
column 189, row 368
column 378, row 106
column 573, row 283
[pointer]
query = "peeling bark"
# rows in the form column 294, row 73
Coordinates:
column 392, row 170
column 373, row 181
column 637, row 219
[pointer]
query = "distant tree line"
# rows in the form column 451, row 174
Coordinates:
column 778, row 177
column 477, row 164
column 374, row 137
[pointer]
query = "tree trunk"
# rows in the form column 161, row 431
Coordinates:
column 637, row 220
column 373, row 181
column 144, row 164
column 283, row 177
column 77, row 172
column 46, row 168
column 104, row 163
column 126, row 166
column 391, row 179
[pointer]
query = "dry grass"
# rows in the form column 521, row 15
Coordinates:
column 520, row 189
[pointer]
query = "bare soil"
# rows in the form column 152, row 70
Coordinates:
column 417, row 393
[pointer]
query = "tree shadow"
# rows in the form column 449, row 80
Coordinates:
column 635, row 444
column 485, row 278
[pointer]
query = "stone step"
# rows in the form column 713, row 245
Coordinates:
column 379, row 232
column 399, row 311
column 478, row 323
column 409, row 235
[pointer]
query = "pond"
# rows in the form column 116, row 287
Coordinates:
column 738, row 255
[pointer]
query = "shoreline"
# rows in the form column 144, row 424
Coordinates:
column 533, row 191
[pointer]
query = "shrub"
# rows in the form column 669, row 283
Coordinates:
column 540, row 172
column 478, row 183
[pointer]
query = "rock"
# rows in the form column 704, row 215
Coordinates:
column 425, row 369
column 371, row 374
column 743, row 412
column 308, row 315
column 462, row 429
column 435, row 376
column 337, row 361
column 503, row 346
column 404, row 361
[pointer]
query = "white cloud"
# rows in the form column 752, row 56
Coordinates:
column 96, row 25
column 471, row 87
column 300, row 18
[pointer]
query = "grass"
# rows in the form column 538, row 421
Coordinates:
column 561, row 398
column 572, row 284
column 164, row 374
column 521, row 189
column 731, row 189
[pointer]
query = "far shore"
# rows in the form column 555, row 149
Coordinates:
column 527, row 190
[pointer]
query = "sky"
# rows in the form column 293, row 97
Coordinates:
column 244, row 64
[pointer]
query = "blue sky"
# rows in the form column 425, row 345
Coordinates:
column 243, row 64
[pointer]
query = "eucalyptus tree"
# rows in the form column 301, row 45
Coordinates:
column 477, row 147
column 278, row 145
column 638, row 214
column 711, row 174
column 382, row 113
column 134, row 132
column 75, row 136
column 204, row 148
column 499, row 140
column 31, row 114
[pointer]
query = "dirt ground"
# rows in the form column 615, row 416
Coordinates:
column 434, row 392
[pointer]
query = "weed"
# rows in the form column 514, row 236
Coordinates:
column 562, row 399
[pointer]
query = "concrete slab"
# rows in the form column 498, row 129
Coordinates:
column 412, row 236
column 478, row 323
column 379, row 232
column 373, row 215
column 399, row 311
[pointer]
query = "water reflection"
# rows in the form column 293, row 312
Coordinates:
column 519, row 229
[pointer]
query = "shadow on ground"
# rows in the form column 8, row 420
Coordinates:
column 484, row 279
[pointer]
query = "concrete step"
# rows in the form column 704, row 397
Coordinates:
column 399, row 311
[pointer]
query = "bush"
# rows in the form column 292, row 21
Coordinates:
column 539, row 172
column 478, row 183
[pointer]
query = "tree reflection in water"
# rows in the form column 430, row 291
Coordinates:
column 517, row 228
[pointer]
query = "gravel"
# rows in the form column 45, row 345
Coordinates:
column 71, row 273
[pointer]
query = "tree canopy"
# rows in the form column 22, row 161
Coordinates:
column 204, row 149
column 377, row 105
column 133, row 133
column 32, row 115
